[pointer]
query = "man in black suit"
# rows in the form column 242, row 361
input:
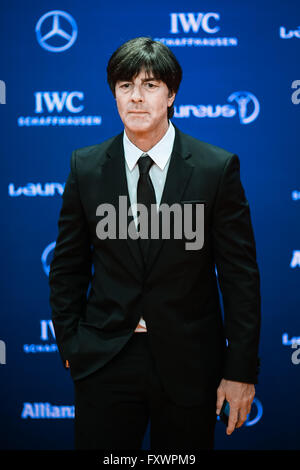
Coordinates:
column 148, row 339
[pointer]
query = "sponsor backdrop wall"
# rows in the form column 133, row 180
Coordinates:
column 240, row 90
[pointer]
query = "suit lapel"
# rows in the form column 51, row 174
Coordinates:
column 178, row 176
column 114, row 184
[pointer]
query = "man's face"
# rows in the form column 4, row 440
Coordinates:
column 142, row 103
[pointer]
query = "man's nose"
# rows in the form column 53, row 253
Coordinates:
column 137, row 94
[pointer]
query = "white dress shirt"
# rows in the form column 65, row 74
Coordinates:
column 161, row 155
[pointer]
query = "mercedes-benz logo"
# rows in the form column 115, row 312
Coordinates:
column 56, row 38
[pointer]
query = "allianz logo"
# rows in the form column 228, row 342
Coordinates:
column 244, row 104
column 47, row 411
column 36, row 189
column 290, row 34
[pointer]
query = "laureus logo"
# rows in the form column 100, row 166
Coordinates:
column 56, row 31
column 243, row 104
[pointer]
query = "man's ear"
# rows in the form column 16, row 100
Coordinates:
column 171, row 98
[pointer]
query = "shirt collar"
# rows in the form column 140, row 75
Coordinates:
column 160, row 153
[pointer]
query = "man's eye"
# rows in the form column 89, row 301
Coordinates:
column 125, row 85
column 150, row 85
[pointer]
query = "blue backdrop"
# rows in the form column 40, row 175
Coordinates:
column 240, row 90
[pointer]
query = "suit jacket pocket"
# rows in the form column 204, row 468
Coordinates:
column 194, row 201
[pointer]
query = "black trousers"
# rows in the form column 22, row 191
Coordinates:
column 114, row 404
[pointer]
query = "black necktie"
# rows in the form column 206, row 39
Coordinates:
column 146, row 196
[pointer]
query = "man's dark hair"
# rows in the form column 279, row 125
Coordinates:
column 144, row 53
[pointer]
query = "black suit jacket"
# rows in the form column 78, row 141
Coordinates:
column 177, row 293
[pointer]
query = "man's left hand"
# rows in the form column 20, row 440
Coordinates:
column 240, row 396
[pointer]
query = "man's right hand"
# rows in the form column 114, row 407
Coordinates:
column 67, row 365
